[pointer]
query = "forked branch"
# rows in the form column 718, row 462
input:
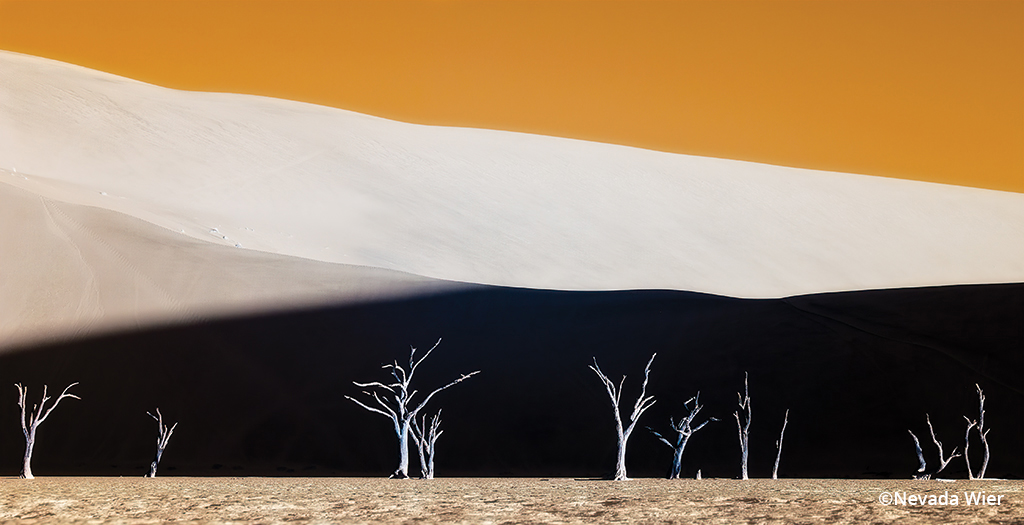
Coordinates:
column 425, row 434
column 942, row 461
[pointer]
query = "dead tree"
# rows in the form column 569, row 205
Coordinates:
column 922, row 471
column 163, row 436
column 425, row 435
column 778, row 446
column 643, row 402
column 982, row 431
column 37, row 415
column 683, row 431
column 399, row 405
column 744, row 425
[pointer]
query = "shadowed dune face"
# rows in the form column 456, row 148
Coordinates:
column 264, row 395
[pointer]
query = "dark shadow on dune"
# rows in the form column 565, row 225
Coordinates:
column 263, row 395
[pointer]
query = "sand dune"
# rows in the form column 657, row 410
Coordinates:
column 131, row 201
column 70, row 270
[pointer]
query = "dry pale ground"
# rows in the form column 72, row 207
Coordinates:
column 493, row 500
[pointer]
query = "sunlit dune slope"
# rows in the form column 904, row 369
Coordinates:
column 249, row 173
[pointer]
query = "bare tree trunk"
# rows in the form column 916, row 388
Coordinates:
column 778, row 445
column 967, row 446
column 31, row 419
column 984, row 462
column 429, row 471
column 677, row 460
column 26, row 464
column 402, row 472
column 620, row 459
column 982, row 431
column 744, row 426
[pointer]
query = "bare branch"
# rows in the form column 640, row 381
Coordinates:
column 700, row 426
column 384, row 405
column 62, row 396
column 462, row 378
column 981, row 406
column 920, row 457
column 371, row 409
column 613, row 393
column 982, row 431
column 22, row 392
column 413, row 365
column 376, row 384
column 398, row 373
column 661, row 438
column 34, row 419
column 642, row 403
column 942, row 461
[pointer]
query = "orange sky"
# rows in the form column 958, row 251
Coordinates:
column 924, row 90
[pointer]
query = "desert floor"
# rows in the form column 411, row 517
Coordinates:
column 493, row 500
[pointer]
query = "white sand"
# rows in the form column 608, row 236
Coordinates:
column 244, row 173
